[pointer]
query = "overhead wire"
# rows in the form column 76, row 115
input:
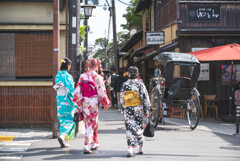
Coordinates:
column 124, row 3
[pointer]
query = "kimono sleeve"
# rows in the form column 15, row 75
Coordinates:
column 78, row 97
column 70, row 89
column 102, row 94
column 122, row 95
column 145, row 99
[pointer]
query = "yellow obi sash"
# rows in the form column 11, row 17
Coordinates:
column 132, row 98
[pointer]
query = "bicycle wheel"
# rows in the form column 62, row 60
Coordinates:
column 193, row 111
column 155, row 108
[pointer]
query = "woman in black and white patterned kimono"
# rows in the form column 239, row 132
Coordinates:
column 134, row 114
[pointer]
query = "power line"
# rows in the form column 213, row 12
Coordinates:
column 124, row 3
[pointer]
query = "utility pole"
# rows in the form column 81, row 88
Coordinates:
column 74, row 23
column 56, row 62
column 116, row 62
column 85, row 56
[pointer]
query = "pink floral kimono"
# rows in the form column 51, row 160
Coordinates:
column 88, row 102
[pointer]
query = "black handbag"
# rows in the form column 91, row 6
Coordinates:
column 76, row 117
column 149, row 130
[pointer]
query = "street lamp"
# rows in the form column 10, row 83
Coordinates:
column 88, row 10
column 87, row 13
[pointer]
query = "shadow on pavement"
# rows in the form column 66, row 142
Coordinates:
column 112, row 131
column 67, row 154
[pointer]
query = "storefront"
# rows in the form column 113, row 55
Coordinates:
column 191, row 26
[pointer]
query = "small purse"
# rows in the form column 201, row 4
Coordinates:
column 78, row 117
column 149, row 129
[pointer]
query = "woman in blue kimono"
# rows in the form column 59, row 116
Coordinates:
column 65, row 106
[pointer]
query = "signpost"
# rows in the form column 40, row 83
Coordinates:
column 155, row 38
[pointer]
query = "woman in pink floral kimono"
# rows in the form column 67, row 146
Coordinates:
column 89, row 92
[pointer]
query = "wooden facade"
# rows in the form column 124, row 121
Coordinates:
column 186, row 28
column 25, row 105
column 26, row 50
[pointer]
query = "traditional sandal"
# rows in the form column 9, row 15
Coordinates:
column 87, row 151
column 129, row 154
column 61, row 142
column 95, row 147
column 140, row 150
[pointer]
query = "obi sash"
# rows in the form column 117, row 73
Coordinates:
column 132, row 98
column 88, row 88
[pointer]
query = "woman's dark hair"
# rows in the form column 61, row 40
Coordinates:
column 132, row 72
column 64, row 64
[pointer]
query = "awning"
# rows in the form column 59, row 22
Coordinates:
column 219, row 53
column 132, row 41
column 142, row 51
column 159, row 50
column 142, row 4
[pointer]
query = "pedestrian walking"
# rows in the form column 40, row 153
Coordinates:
column 237, row 95
column 89, row 92
column 140, row 78
column 65, row 105
column 120, row 79
column 111, row 82
column 135, row 106
column 108, row 87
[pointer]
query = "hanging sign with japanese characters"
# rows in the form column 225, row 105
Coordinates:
column 203, row 13
column 155, row 38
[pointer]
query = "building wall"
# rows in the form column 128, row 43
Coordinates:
column 165, row 13
column 228, row 16
column 27, row 101
column 28, row 12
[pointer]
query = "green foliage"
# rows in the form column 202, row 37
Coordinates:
column 82, row 34
column 123, row 37
column 133, row 20
column 102, row 46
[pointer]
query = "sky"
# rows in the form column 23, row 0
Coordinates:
column 98, row 23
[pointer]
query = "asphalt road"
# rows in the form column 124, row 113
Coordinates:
column 171, row 143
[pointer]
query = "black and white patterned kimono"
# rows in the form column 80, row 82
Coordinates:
column 134, row 115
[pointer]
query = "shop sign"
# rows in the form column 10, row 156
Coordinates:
column 204, row 72
column 155, row 38
column 203, row 13
column 197, row 49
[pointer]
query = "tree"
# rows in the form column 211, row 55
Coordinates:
column 123, row 37
column 133, row 20
column 82, row 34
column 102, row 46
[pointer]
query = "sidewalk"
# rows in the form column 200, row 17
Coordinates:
column 32, row 135
column 26, row 135
column 206, row 125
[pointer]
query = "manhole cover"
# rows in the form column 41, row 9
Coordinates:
column 230, row 148
column 6, row 138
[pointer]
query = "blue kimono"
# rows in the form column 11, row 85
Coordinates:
column 65, row 106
